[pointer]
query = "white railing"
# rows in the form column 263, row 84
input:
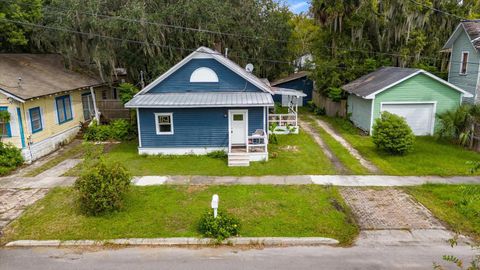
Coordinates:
column 283, row 119
column 257, row 143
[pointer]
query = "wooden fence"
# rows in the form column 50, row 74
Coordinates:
column 113, row 109
column 475, row 142
column 332, row 108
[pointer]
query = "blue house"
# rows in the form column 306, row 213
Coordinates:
column 297, row 81
column 205, row 103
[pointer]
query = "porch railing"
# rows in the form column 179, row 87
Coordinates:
column 257, row 143
column 283, row 119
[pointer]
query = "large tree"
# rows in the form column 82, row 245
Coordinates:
column 358, row 36
column 257, row 33
column 12, row 34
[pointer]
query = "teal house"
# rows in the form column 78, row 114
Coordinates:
column 414, row 94
column 464, row 48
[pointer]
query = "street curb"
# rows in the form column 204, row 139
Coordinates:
column 181, row 241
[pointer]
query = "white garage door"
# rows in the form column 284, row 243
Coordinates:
column 419, row 116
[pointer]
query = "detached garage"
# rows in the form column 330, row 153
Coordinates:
column 414, row 94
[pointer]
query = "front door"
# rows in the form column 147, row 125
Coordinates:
column 88, row 110
column 238, row 127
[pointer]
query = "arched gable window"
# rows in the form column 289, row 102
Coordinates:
column 204, row 74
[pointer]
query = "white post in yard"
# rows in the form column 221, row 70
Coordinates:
column 214, row 204
column 95, row 109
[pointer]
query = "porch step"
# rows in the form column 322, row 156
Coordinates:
column 238, row 159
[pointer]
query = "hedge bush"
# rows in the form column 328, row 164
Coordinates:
column 220, row 228
column 392, row 134
column 102, row 187
column 10, row 158
column 117, row 130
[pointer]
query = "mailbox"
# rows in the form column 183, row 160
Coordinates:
column 215, row 200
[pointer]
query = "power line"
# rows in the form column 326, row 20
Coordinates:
column 134, row 41
column 141, row 21
column 60, row 11
column 437, row 10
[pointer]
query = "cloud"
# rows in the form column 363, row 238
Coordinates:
column 298, row 7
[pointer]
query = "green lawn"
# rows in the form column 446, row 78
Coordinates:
column 294, row 154
column 75, row 151
column 351, row 163
column 173, row 211
column 429, row 157
column 458, row 206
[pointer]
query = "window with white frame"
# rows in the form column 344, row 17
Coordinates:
column 164, row 123
column 464, row 63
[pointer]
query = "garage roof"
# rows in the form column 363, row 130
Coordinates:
column 386, row 77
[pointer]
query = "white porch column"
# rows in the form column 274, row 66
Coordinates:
column 95, row 109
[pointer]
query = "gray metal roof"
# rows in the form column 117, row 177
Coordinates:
column 378, row 80
column 287, row 92
column 201, row 100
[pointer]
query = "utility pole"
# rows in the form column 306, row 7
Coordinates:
column 142, row 82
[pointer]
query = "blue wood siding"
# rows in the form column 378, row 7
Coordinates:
column 301, row 84
column 195, row 127
column 179, row 81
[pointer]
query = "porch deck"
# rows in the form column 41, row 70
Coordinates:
column 255, row 150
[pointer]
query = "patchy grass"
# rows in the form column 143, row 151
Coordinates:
column 458, row 206
column 294, row 154
column 429, row 157
column 75, row 151
column 174, row 211
column 351, row 163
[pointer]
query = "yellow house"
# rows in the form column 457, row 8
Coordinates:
column 47, row 102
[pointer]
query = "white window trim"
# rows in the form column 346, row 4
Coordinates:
column 157, row 128
column 204, row 74
column 461, row 63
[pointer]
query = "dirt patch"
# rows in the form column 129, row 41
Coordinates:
column 388, row 209
column 196, row 188
column 290, row 148
column 339, row 167
column 332, row 132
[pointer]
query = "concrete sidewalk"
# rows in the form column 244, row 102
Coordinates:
column 336, row 180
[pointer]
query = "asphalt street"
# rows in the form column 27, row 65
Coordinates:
column 324, row 257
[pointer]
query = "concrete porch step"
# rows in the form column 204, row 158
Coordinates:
column 238, row 159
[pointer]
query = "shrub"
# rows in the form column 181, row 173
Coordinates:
column 272, row 137
column 392, row 134
column 102, row 187
column 335, row 93
column 10, row 158
column 311, row 105
column 457, row 125
column 127, row 91
column 219, row 228
column 119, row 130
column 220, row 154
column 320, row 111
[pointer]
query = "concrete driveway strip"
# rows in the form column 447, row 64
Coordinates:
column 336, row 180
